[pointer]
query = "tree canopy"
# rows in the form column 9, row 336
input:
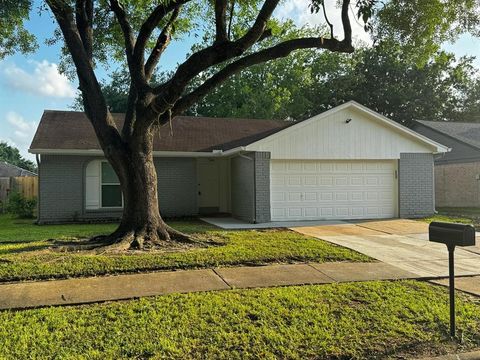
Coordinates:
column 382, row 77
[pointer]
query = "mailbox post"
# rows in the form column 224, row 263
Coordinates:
column 452, row 235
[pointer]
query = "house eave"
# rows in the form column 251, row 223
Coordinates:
column 98, row 152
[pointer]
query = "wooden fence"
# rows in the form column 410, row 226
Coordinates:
column 25, row 185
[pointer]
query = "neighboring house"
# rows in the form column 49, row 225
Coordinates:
column 15, row 179
column 457, row 173
column 346, row 163
column 9, row 170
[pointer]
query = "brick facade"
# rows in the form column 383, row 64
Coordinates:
column 457, row 184
column 416, row 189
column 262, row 187
column 62, row 189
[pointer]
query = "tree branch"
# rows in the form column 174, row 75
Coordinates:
column 168, row 94
column 326, row 19
column 212, row 55
column 347, row 28
column 230, row 20
column 221, row 21
column 259, row 26
column 93, row 99
column 84, row 19
column 129, row 39
column 147, row 28
column 161, row 44
column 278, row 51
column 130, row 116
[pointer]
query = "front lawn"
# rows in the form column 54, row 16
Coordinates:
column 371, row 320
column 25, row 253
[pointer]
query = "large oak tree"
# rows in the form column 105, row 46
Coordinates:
column 94, row 31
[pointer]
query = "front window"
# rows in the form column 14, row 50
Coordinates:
column 110, row 185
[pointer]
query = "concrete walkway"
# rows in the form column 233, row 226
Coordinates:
column 400, row 243
column 96, row 289
column 230, row 223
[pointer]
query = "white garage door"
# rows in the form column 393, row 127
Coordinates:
column 313, row 190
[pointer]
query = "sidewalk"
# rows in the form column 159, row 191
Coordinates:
column 23, row 295
column 474, row 355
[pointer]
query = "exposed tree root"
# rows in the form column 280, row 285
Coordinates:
column 147, row 238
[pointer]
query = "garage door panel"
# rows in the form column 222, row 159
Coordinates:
column 311, row 212
column 333, row 189
column 294, row 212
column 277, row 196
column 310, row 180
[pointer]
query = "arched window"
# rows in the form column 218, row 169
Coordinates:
column 102, row 187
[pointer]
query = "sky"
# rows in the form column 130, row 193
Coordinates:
column 31, row 83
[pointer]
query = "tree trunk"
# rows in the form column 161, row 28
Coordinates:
column 141, row 225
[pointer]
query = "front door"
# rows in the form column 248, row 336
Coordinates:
column 208, row 186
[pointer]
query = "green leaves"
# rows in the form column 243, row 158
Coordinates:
column 420, row 27
column 13, row 35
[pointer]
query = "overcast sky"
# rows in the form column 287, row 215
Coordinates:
column 30, row 84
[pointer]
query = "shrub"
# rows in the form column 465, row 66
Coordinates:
column 21, row 206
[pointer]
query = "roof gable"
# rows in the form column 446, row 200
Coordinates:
column 367, row 135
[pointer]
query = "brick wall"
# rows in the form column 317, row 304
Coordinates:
column 62, row 189
column 177, row 186
column 262, row 187
column 416, row 185
column 456, row 185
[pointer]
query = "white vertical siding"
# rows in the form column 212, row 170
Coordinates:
column 330, row 137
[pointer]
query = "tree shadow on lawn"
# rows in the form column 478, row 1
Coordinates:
column 23, row 249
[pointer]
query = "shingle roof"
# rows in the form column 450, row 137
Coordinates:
column 8, row 170
column 467, row 132
column 71, row 130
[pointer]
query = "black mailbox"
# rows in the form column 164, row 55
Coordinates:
column 452, row 234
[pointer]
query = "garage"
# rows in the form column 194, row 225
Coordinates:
column 319, row 189
column 346, row 163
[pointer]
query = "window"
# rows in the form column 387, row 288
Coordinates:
column 110, row 187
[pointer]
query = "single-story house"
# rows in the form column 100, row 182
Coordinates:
column 457, row 173
column 346, row 163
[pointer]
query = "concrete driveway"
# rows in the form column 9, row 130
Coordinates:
column 401, row 243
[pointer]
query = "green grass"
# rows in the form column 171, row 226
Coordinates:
column 448, row 218
column 371, row 320
column 25, row 253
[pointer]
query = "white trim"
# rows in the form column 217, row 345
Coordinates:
column 97, row 152
column 438, row 148
column 93, row 152
column 234, row 151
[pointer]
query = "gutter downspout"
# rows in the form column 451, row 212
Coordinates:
column 38, row 160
